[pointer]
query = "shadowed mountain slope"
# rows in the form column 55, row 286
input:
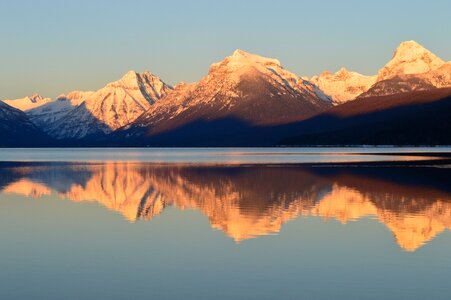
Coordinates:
column 16, row 130
column 413, row 118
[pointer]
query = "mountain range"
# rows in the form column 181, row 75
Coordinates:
column 247, row 100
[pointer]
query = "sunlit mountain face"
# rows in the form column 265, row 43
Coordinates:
column 252, row 201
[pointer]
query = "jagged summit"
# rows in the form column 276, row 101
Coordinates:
column 135, row 80
column 36, row 98
column 344, row 73
column 133, row 75
column 410, row 58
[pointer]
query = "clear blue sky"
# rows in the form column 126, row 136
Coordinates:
column 53, row 47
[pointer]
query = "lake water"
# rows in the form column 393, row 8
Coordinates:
column 285, row 223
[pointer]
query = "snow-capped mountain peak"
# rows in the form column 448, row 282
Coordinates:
column 28, row 103
column 410, row 58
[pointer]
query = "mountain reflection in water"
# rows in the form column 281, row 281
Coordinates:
column 250, row 201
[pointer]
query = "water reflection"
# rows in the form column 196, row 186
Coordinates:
column 250, row 201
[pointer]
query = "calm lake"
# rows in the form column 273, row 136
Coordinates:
column 283, row 223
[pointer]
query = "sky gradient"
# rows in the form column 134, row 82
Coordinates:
column 54, row 47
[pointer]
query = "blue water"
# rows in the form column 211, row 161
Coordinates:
column 204, row 223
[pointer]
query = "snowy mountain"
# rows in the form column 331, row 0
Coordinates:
column 410, row 58
column 28, row 103
column 344, row 85
column 101, row 112
column 46, row 115
column 411, row 68
column 244, row 88
column 17, row 130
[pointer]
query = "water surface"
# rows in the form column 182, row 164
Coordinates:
column 221, row 155
column 216, row 228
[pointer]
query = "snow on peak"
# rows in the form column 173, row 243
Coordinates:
column 242, row 57
column 130, row 79
column 343, row 73
column 133, row 81
column 242, row 61
column 130, row 75
column 28, row 103
column 344, row 85
column 410, row 58
column 409, row 46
